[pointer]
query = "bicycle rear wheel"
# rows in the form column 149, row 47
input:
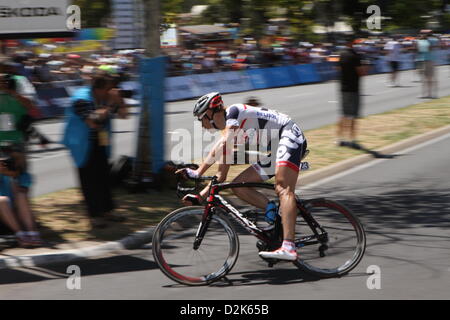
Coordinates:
column 331, row 239
column 173, row 247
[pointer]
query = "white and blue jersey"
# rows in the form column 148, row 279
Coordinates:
column 290, row 143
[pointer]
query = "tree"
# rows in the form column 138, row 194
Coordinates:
column 94, row 12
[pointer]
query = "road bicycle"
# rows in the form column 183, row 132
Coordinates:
column 198, row 245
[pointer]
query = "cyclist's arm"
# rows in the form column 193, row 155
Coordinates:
column 222, row 173
column 220, row 148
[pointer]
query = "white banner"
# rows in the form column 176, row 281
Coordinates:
column 33, row 16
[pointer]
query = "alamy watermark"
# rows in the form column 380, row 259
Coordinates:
column 374, row 21
column 73, row 22
column 73, row 282
column 240, row 147
column 374, row 280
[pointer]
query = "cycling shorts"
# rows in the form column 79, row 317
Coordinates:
column 290, row 150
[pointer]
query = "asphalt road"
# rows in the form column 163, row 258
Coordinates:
column 311, row 106
column 403, row 203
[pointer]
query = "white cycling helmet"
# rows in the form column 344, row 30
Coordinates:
column 212, row 100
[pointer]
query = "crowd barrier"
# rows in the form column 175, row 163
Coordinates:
column 191, row 86
column 54, row 98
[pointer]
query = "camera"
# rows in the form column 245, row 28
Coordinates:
column 8, row 163
column 6, row 158
column 97, row 119
column 7, row 81
column 127, row 94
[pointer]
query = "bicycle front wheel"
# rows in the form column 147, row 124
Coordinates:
column 178, row 258
column 331, row 240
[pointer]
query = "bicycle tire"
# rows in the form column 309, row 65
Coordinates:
column 185, row 222
column 326, row 213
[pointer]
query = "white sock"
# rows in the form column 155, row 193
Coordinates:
column 289, row 245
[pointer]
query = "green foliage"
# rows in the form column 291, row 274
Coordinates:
column 301, row 15
column 94, row 12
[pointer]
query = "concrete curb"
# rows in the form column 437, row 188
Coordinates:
column 132, row 241
column 140, row 238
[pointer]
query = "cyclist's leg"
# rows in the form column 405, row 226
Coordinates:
column 290, row 151
column 285, row 182
column 250, row 195
column 289, row 154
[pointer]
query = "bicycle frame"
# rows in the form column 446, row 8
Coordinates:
column 215, row 200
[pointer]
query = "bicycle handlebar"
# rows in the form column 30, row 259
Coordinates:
column 181, row 190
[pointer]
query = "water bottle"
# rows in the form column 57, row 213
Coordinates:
column 271, row 212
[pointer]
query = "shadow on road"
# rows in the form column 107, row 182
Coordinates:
column 375, row 154
column 119, row 264
column 390, row 207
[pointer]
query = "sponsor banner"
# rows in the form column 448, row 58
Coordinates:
column 273, row 77
column 204, row 83
column 188, row 87
column 326, row 70
column 258, row 78
column 235, row 81
column 306, row 73
column 94, row 34
column 75, row 47
column 382, row 66
column 178, row 88
column 407, row 61
column 24, row 16
column 442, row 56
column 280, row 76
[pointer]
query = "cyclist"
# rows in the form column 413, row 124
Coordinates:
column 242, row 118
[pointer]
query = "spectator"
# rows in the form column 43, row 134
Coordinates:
column 42, row 72
column 393, row 49
column 420, row 48
column 425, row 47
column 88, row 136
column 15, row 180
column 18, row 89
column 351, row 69
column 431, row 76
column 15, row 209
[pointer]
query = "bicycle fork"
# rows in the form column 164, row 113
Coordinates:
column 204, row 224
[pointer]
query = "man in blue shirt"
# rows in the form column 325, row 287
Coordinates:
column 88, row 136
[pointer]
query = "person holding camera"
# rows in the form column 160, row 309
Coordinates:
column 87, row 135
column 23, row 90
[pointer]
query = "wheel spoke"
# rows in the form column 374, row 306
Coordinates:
column 174, row 251
column 345, row 240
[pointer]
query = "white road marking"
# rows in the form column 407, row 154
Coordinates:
column 373, row 163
